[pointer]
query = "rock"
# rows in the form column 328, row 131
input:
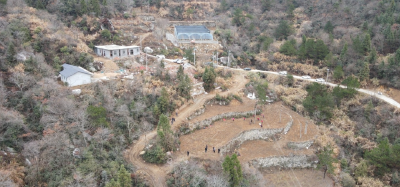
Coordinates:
column 27, row 162
column 142, row 152
column 92, row 69
column 148, row 50
column 76, row 92
column 11, row 150
column 168, row 153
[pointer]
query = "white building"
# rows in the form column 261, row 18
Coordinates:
column 113, row 51
column 74, row 75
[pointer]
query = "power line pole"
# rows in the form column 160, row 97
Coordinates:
column 305, row 129
column 194, row 58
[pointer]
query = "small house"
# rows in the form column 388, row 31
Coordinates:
column 75, row 75
column 113, row 51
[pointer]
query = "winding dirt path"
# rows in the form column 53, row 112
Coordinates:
column 157, row 173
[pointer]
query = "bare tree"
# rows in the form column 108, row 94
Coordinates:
column 21, row 80
column 217, row 181
column 160, row 28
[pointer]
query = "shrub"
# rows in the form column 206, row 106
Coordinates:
column 155, row 155
column 106, row 34
column 347, row 180
column 97, row 115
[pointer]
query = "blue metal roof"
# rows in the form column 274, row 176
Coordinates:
column 69, row 70
column 191, row 29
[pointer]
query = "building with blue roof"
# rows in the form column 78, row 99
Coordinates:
column 187, row 33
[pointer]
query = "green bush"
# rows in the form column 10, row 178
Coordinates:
column 155, row 155
column 347, row 180
column 106, row 34
column 97, row 115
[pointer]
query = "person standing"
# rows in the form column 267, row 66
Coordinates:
column 188, row 153
column 214, row 149
column 206, row 148
column 244, row 119
column 219, row 150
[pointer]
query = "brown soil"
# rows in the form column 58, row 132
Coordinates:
column 109, row 66
column 394, row 94
column 234, row 106
column 297, row 177
column 157, row 173
column 221, row 132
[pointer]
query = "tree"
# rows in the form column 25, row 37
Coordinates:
column 321, row 50
column 189, row 54
column 384, row 157
column 364, row 72
column 95, row 6
column 165, row 134
column 343, row 53
column 366, row 45
column 288, row 48
column 302, row 53
column 265, row 5
column 180, row 73
column 162, row 101
column 97, row 115
column 373, row 56
column 232, row 168
column 184, row 87
column 283, row 30
column 319, row 102
column 208, row 77
column 10, row 54
column 261, row 89
column 124, row 177
column 329, row 27
column 325, row 160
column 106, row 34
column 112, row 183
column 238, row 17
column 83, row 7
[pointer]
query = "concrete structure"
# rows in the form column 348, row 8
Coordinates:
column 184, row 34
column 116, row 51
column 74, row 75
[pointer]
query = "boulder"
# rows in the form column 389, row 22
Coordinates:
column 142, row 152
column 76, row 91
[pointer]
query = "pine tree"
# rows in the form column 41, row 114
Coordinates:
column 326, row 160
column 283, row 30
column 338, row 73
column 288, row 48
column 184, row 87
column 357, row 45
column 95, row 6
column 372, row 56
column 366, row 45
column 180, row 73
column 112, row 183
column 83, row 7
column 329, row 27
column 302, row 49
column 162, row 101
column 309, row 48
column 321, row 50
column 343, row 53
column 164, row 133
column 124, row 178
column 209, row 76
column 231, row 166
column 10, row 55
column 364, row 73
column 397, row 57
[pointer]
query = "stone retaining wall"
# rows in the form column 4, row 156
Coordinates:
column 188, row 127
column 253, row 134
column 292, row 161
column 300, row 145
column 288, row 125
column 198, row 112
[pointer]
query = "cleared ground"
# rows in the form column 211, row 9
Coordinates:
column 221, row 132
column 297, row 177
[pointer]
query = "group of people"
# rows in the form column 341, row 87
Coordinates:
column 219, row 150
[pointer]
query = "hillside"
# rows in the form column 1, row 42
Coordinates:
column 138, row 119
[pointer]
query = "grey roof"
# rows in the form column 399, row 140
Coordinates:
column 191, row 29
column 115, row 47
column 70, row 70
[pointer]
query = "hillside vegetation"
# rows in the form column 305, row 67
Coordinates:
column 42, row 123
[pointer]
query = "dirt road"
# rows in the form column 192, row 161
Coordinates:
column 157, row 173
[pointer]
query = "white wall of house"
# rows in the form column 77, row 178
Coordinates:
column 120, row 53
column 77, row 79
